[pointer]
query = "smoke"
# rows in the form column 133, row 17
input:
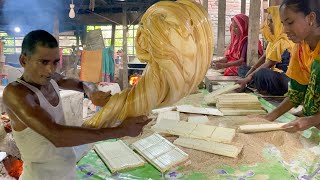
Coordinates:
column 29, row 15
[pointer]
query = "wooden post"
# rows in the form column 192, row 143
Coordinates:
column 262, row 10
column 275, row 2
column 205, row 4
column 77, row 59
column 56, row 27
column 243, row 6
column 78, row 37
column 221, row 27
column 253, row 35
column 124, row 44
column 113, row 34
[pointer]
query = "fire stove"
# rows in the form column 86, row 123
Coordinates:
column 135, row 71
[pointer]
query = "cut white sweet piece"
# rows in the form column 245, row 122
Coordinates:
column 214, row 59
column 183, row 128
column 199, row 110
column 147, row 142
column 199, row 131
column 239, row 104
column 203, row 131
column 198, row 119
column 211, row 147
column 241, row 112
column 170, row 115
column 212, row 97
column 165, row 126
column 160, row 110
column 261, row 127
column 160, row 148
column 162, row 154
column 118, row 156
column 214, row 73
column 224, row 135
column 174, row 156
column 238, row 95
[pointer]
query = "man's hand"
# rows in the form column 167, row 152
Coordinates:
column 302, row 124
column 134, row 126
column 100, row 98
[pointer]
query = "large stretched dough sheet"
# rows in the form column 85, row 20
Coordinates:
column 175, row 39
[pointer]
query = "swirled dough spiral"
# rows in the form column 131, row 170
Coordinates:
column 175, row 39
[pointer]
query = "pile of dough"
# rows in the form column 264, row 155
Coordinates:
column 175, row 39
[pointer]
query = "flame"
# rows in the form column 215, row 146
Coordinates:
column 134, row 79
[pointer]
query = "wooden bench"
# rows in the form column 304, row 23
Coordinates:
column 212, row 80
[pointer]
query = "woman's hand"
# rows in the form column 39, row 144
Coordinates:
column 250, row 71
column 243, row 83
column 219, row 65
column 302, row 124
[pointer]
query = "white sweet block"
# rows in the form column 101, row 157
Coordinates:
column 160, row 152
column 199, row 110
column 198, row 119
column 170, row 115
column 193, row 130
column 211, row 147
column 118, row 156
column 164, row 109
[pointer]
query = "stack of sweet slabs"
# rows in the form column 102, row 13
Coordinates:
column 199, row 136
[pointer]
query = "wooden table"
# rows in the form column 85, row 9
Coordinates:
column 212, row 80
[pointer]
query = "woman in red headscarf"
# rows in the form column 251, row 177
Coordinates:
column 236, row 54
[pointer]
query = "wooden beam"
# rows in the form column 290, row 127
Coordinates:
column 221, row 27
column 124, row 44
column 205, row 4
column 253, row 35
column 243, row 6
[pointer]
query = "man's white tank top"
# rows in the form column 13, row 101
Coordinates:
column 41, row 159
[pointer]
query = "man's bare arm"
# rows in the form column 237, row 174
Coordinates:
column 75, row 84
column 97, row 97
column 21, row 104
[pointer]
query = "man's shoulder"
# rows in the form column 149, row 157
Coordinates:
column 16, row 89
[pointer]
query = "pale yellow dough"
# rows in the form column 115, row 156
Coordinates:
column 175, row 39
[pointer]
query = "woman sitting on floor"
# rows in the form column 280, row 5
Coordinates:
column 268, row 74
column 236, row 54
column 301, row 20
